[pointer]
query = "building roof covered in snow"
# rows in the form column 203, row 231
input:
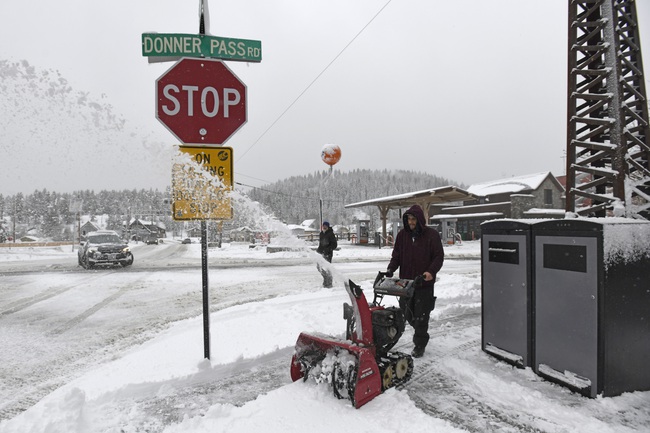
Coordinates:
column 443, row 194
column 308, row 224
column 424, row 198
column 511, row 185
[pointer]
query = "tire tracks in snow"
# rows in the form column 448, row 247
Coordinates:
column 220, row 386
column 441, row 396
column 21, row 304
column 89, row 312
column 21, row 398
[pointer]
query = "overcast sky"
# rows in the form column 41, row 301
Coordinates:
column 470, row 90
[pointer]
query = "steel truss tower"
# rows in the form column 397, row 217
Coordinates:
column 608, row 137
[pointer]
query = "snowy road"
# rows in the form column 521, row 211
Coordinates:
column 60, row 325
column 57, row 319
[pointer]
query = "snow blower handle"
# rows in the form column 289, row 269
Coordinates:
column 388, row 273
column 384, row 285
column 418, row 281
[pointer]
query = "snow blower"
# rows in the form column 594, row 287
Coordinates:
column 361, row 366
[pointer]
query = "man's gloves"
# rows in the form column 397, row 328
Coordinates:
column 419, row 280
column 389, row 273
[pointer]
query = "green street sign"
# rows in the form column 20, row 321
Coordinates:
column 186, row 45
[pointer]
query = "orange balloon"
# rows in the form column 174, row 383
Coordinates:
column 331, row 154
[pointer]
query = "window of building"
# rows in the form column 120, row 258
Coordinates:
column 548, row 197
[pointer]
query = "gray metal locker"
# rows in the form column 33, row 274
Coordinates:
column 506, row 291
column 592, row 304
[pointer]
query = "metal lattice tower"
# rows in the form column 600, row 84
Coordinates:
column 608, row 137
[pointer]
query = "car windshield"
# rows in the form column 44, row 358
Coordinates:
column 104, row 239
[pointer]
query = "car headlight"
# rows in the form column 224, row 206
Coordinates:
column 125, row 250
column 92, row 251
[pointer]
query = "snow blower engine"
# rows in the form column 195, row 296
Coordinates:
column 361, row 366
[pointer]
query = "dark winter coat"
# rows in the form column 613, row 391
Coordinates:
column 327, row 243
column 419, row 251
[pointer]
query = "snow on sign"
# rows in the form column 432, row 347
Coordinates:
column 202, row 178
column 201, row 101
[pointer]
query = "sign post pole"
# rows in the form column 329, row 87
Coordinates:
column 204, row 238
column 206, row 290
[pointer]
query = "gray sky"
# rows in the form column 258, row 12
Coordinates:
column 470, row 90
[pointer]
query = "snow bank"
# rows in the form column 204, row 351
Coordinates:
column 314, row 410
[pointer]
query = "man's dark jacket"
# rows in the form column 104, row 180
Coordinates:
column 419, row 251
column 327, row 244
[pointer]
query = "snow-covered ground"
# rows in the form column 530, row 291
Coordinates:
column 161, row 383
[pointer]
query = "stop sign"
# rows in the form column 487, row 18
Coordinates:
column 201, row 101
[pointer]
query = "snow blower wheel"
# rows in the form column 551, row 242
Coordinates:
column 343, row 382
column 387, row 377
column 401, row 368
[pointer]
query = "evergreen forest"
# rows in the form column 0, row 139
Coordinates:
column 297, row 198
column 54, row 216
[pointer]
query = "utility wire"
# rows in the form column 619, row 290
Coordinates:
column 251, row 177
column 314, row 81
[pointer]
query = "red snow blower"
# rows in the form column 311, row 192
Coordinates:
column 361, row 366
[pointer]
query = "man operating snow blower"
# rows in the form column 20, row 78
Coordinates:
column 418, row 253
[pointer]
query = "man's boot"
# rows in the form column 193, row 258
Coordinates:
column 417, row 352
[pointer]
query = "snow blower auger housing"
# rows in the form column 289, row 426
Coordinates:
column 361, row 366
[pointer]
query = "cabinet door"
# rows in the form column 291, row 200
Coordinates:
column 566, row 310
column 505, row 294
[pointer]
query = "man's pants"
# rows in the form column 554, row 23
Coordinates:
column 417, row 311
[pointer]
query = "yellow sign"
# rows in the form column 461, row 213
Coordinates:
column 201, row 185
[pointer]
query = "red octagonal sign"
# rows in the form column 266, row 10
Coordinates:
column 201, row 101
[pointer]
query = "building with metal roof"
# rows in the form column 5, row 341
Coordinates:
column 424, row 198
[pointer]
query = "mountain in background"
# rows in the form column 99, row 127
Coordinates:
column 296, row 198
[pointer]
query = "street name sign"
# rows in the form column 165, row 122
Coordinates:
column 201, row 187
column 201, row 101
column 207, row 46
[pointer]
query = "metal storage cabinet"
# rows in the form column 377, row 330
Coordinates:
column 592, row 304
column 506, row 291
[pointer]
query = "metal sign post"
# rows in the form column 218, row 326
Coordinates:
column 203, row 14
column 206, row 290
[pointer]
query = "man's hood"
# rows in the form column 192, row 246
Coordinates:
column 416, row 211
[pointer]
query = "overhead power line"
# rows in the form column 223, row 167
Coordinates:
column 313, row 81
column 251, row 177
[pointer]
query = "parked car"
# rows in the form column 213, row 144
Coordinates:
column 186, row 241
column 104, row 247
